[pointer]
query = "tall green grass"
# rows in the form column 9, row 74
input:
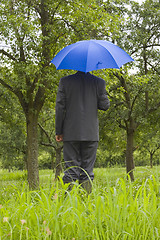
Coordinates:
column 116, row 209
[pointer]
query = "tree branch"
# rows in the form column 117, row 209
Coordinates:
column 7, row 85
column 156, row 70
column 70, row 25
column 8, row 54
column 121, row 125
column 124, row 85
column 147, row 46
column 39, row 99
column 134, row 100
column 18, row 93
column 48, row 144
column 58, row 4
column 46, row 133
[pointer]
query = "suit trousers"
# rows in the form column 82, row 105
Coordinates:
column 79, row 157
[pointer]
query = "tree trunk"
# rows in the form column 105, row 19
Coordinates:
column 151, row 160
column 52, row 160
column 58, row 165
column 129, row 153
column 32, row 150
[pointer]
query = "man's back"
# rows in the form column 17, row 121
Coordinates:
column 79, row 97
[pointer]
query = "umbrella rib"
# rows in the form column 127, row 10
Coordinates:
column 87, row 57
column 68, row 51
column 109, row 53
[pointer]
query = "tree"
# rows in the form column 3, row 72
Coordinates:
column 31, row 29
column 134, row 96
column 28, row 78
column 34, row 31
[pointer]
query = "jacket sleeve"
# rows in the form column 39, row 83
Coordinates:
column 103, row 101
column 60, row 109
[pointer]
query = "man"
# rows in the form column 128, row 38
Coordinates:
column 78, row 99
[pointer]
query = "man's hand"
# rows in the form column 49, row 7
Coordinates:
column 59, row 138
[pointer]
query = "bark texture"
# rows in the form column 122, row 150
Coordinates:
column 32, row 151
column 129, row 153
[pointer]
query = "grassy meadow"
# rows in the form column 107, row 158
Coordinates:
column 116, row 209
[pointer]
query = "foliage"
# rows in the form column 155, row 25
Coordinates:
column 45, row 161
column 116, row 209
column 12, row 133
column 33, row 36
column 147, row 140
column 34, row 32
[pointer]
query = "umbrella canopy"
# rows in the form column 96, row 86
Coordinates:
column 89, row 55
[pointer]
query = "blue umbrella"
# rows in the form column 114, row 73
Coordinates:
column 89, row 55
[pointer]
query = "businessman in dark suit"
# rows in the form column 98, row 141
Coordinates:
column 78, row 99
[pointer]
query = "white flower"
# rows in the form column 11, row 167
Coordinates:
column 5, row 219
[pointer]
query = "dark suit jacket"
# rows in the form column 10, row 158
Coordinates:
column 79, row 97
